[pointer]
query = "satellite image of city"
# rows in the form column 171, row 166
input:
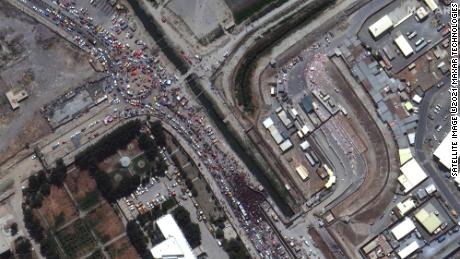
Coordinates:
column 229, row 129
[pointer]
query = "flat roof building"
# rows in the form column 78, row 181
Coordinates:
column 408, row 250
column 405, row 206
column 442, row 152
column 304, row 145
column 381, row 26
column 421, row 13
column 427, row 217
column 268, row 122
column 307, row 104
column 412, row 175
column 275, row 134
column 403, row 229
column 431, row 4
column 285, row 119
column 175, row 246
column 14, row 98
column 302, row 172
column 404, row 46
column 286, row 145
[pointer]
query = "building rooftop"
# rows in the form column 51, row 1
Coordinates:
column 404, row 45
column 428, row 219
column 14, row 98
column 175, row 246
column 403, row 229
column 381, row 26
column 442, row 152
column 412, row 175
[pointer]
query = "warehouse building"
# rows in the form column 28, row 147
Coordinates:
column 442, row 153
column 381, row 26
column 404, row 46
column 403, row 229
column 429, row 219
column 412, row 175
column 431, row 4
column 404, row 207
column 408, row 250
column 302, row 172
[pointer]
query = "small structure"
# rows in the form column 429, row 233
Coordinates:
column 405, row 206
column 302, row 172
column 421, row 13
column 404, row 45
column 442, row 152
column 430, row 189
column 125, row 161
column 307, row 104
column 175, row 245
column 412, row 175
column 304, row 145
column 403, row 229
column 381, row 26
column 286, row 145
column 14, row 98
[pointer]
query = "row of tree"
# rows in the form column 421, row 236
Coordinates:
column 137, row 238
column 108, row 145
column 191, row 230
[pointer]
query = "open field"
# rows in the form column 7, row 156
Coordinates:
column 105, row 223
column 83, row 188
column 76, row 239
column 122, row 249
column 58, row 208
column 34, row 59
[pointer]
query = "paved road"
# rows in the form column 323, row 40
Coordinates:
column 451, row 196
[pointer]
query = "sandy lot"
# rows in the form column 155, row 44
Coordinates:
column 201, row 16
column 37, row 60
column 80, row 183
column 58, row 201
column 108, row 228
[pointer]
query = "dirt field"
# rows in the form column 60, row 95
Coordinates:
column 108, row 228
column 110, row 163
column 79, row 183
column 122, row 249
column 34, row 59
column 58, row 201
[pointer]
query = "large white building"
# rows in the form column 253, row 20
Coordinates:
column 403, row 229
column 412, row 175
column 404, row 46
column 442, row 153
column 175, row 246
column 381, row 26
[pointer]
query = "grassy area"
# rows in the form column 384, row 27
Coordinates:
column 91, row 198
column 118, row 174
column 76, row 239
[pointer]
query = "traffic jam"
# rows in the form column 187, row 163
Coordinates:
column 139, row 85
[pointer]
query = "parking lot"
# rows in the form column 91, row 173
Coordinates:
column 431, row 30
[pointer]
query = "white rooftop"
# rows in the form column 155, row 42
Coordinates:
column 408, row 250
column 402, row 229
column 443, row 151
column 404, row 45
column 267, row 122
column 175, row 246
column 412, row 175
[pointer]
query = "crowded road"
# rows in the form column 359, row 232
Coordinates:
column 139, row 84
